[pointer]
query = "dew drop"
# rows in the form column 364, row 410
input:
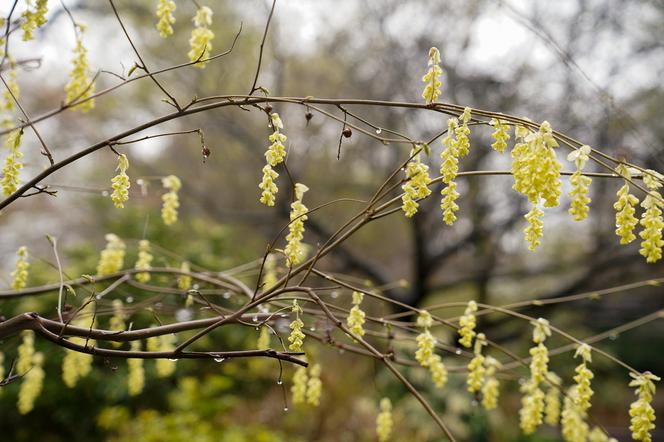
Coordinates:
column 312, row 329
column 257, row 328
column 279, row 382
column 104, row 193
column 285, row 408
column 130, row 299
column 379, row 130
column 458, row 351
column 226, row 295
column 255, row 318
column 219, row 359
column 334, row 294
column 172, row 359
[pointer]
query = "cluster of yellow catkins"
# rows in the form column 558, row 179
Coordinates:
column 625, row 207
column 476, row 369
column 270, row 271
column 499, row 135
column 432, row 77
column 294, row 251
column 12, row 91
column 384, row 421
column 467, row 324
column 200, row 41
column 184, row 281
column 136, row 376
column 29, row 365
column 457, row 145
column 536, row 172
column 651, row 219
column 274, row 155
column 111, row 258
column 80, row 85
column 296, row 337
column 34, row 17
column 13, row 164
column 163, row 343
column 641, row 411
column 355, row 319
column 580, row 184
column 263, row 341
column 144, row 260
column 120, row 183
column 583, row 378
column 532, row 403
column 77, row 365
column 426, row 352
column 171, row 201
column 307, row 386
column 417, row 184
column 117, row 321
column 552, row 399
column 165, row 10
column 20, row 273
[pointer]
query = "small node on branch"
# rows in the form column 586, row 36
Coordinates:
column 347, row 133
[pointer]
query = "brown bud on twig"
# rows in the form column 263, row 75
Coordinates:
column 347, row 132
column 308, row 116
column 206, row 153
column 268, row 108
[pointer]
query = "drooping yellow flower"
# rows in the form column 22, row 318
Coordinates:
column 184, row 280
column 299, row 387
column 270, row 271
column 491, row 387
column 136, row 376
column 539, row 363
column 293, row 250
column 534, row 230
column 641, row 411
column 77, row 365
column 580, row 184
column 143, row 261
column 552, row 399
column 201, row 37
column 268, row 186
column 462, row 132
column 276, row 152
column 120, row 183
column 499, row 134
column 384, row 422
column 432, row 77
column 117, row 321
column 20, row 273
column 467, row 323
column 424, row 319
column 438, row 371
column 583, row 378
column 574, row 426
column 165, row 367
column 80, row 85
column 13, row 164
column 165, row 10
column 417, row 184
column 652, row 220
column 263, row 341
column 111, row 259
column 425, row 348
column 314, row 386
column 598, row 435
column 355, row 319
column 476, row 368
column 11, row 89
column 26, row 352
column 32, row 384
column 450, row 154
column 34, row 17
column 171, row 200
column 626, row 220
column 532, row 408
column 296, row 337
column 448, row 204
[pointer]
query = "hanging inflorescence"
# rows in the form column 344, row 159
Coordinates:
column 200, row 41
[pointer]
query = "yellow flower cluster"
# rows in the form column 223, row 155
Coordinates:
column 425, row 353
column 263, row 341
column 314, row 386
column 532, row 408
column 432, row 77
column 268, row 186
column 143, row 261
column 11, row 89
column 580, row 184
column 35, row 17
column 169, row 210
column 77, row 365
column 184, row 281
column 574, row 427
column 20, row 273
column 165, row 367
column 136, row 375
column 294, row 250
column 476, row 369
column 425, row 348
column 201, row 37
column 31, row 387
column 534, row 230
column 462, row 132
column 13, row 164
column 296, row 337
column 299, row 387
column 626, row 220
column 583, row 377
column 641, row 411
column 276, row 152
column 467, row 323
column 598, row 435
column 552, row 400
column 120, row 183
column 499, row 134
column 457, row 145
column 111, row 259
column 438, row 371
column 26, row 352
column 355, row 319
column 270, row 271
column 165, row 10
column 384, row 422
column 532, row 403
column 117, row 321
column 450, row 154
column 652, row 220
column 491, row 388
column 80, row 85
column 417, row 184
